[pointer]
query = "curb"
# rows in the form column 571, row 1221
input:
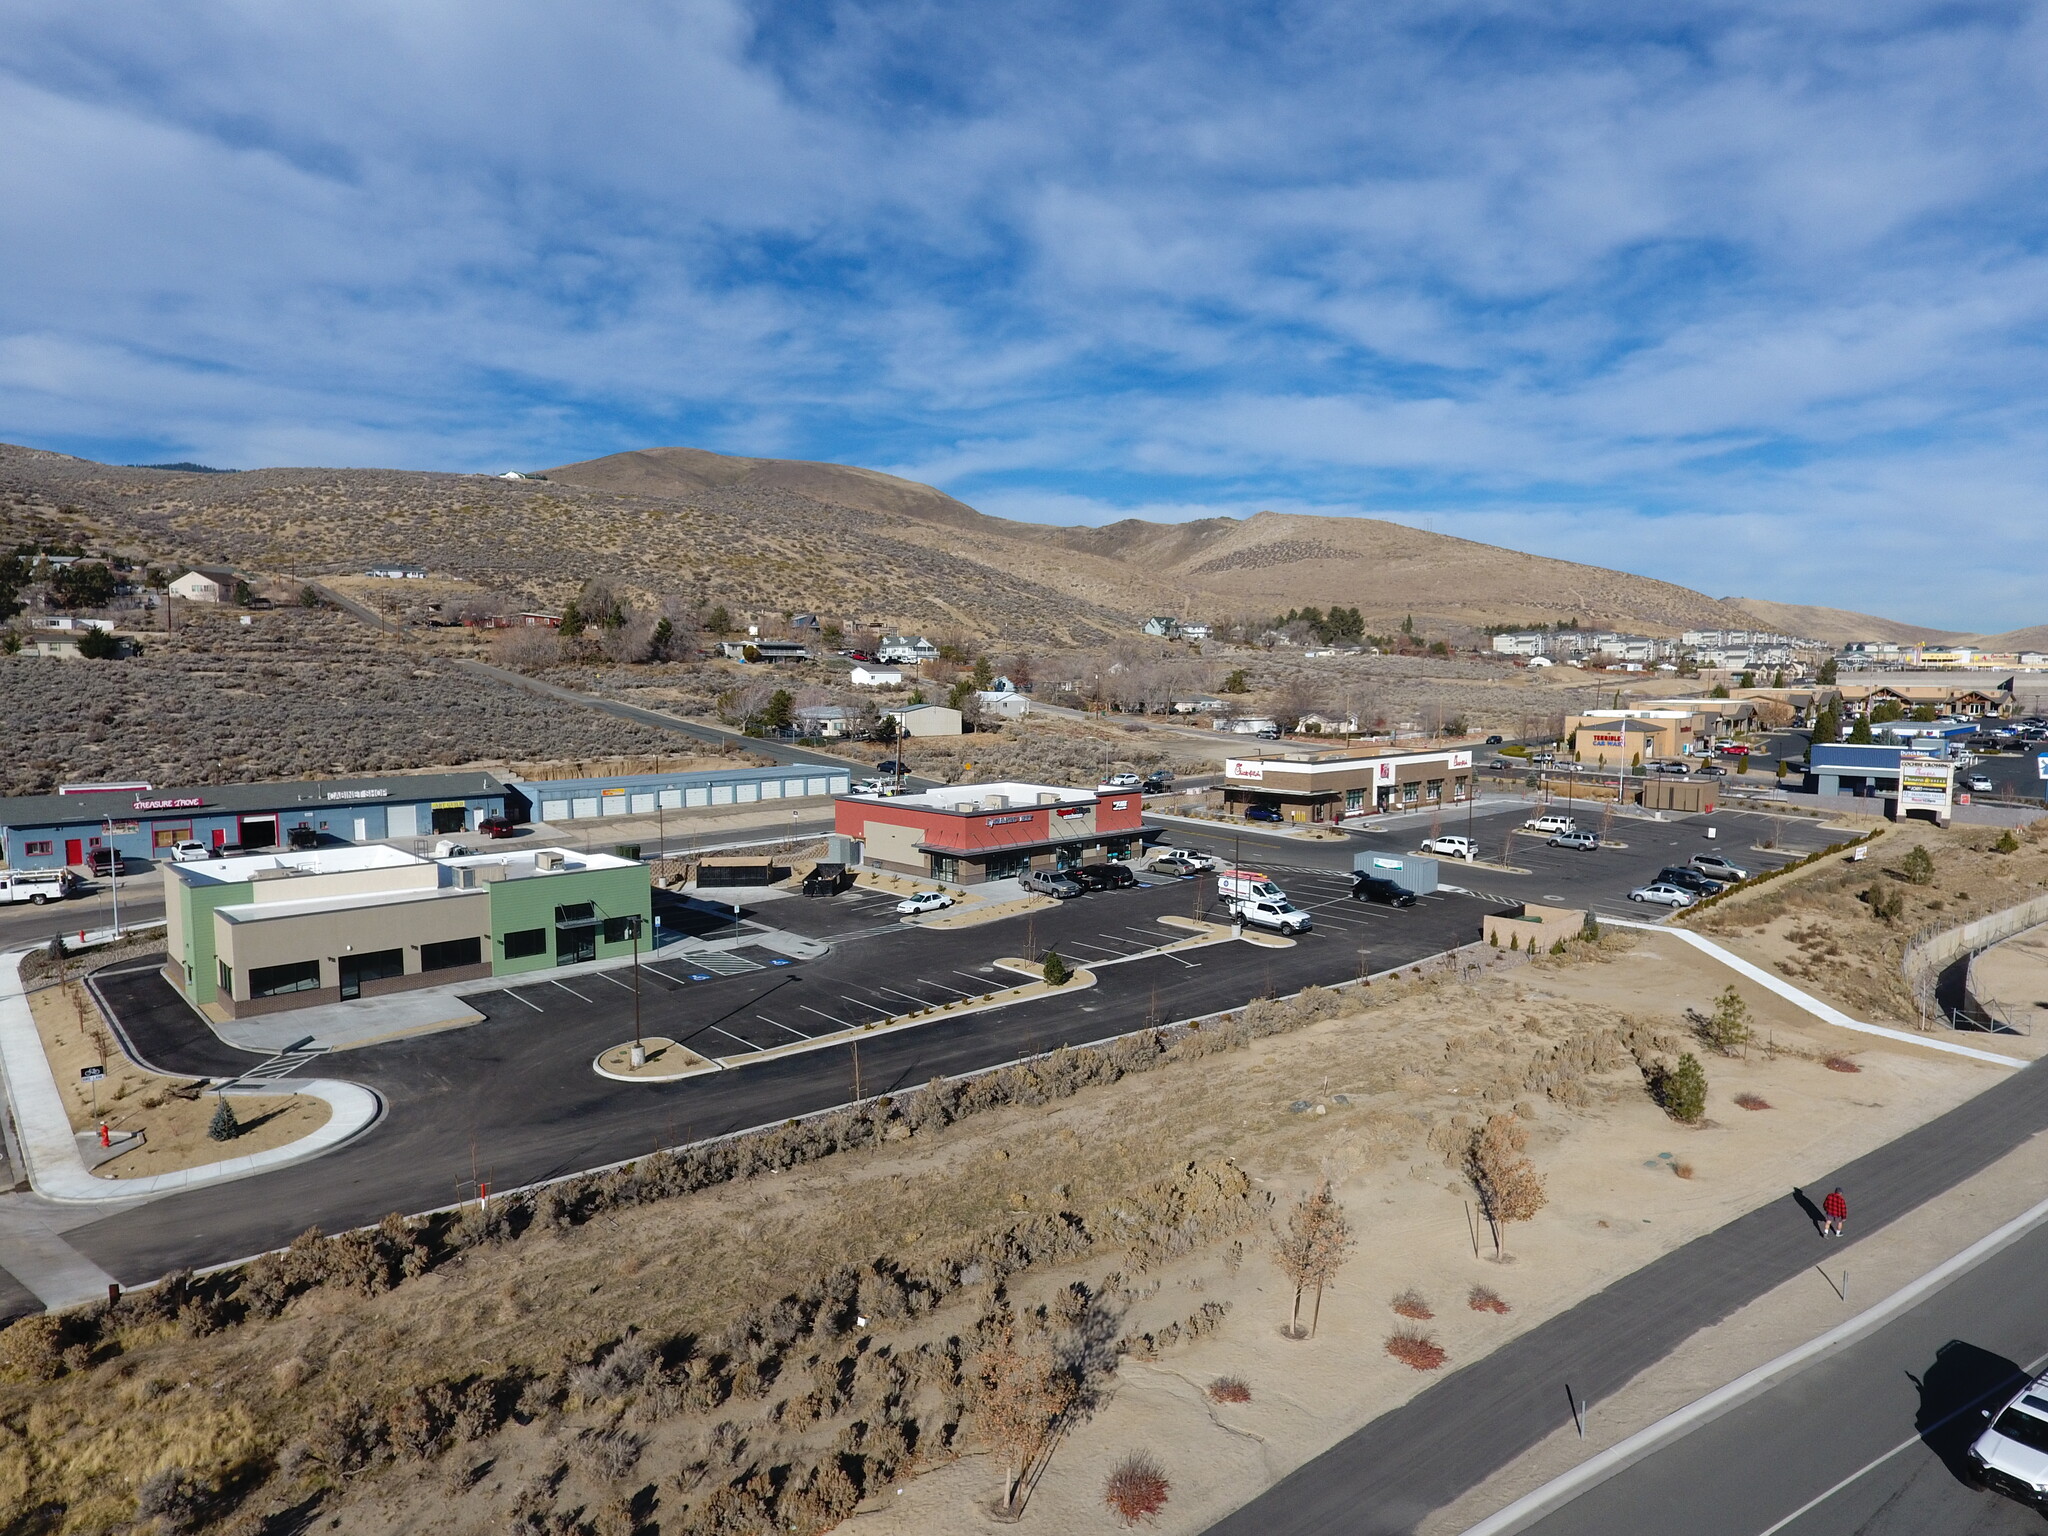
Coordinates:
column 1561, row 1490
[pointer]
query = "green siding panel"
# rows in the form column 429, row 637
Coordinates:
column 530, row 902
column 200, row 957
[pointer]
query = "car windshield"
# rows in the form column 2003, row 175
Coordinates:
column 2024, row 1428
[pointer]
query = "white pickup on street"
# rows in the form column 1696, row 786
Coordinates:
column 37, row 885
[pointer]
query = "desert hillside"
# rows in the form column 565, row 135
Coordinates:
column 1839, row 625
column 766, row 536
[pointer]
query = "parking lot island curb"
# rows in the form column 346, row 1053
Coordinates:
column 55, row 1170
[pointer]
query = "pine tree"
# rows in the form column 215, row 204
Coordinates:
column 224, row 1126
column 1056, row 972
column 1918, row 865
column 1727, row 1028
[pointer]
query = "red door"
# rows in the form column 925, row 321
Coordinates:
column 74, row 851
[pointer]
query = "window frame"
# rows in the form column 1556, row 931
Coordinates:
column 532, row 942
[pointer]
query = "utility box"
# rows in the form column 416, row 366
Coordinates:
column 1661, row 794
column 1404, row 869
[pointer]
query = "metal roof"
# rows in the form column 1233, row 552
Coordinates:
column 245, row 799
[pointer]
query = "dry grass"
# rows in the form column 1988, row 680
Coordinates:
column 1752, row 1101
column 1683, row 1169
column 1841, row 1064
column 1416, row 1349
column 1484, row 1298
column 1136, row 1490
column 1411, row 1304
column 1229, row 1389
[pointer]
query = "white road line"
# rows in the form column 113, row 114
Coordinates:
column 1077, row 944
column 663, row 974
column 536, row 1007
column 747, row 1043
column 861, row 1002
column 906, row 996
column 984, row 980
column 832, row 1018
column 570, row 990
column 606, row 976
column 779, row 1025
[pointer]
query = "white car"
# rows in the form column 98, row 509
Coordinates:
column 1122, row 781
column 449, row 848
column 1663, row 895
column 188, row 852
column 924, row 901
column 1550, row 822
column 2011, row 1456
column 1452, row 847
column 1978, row 784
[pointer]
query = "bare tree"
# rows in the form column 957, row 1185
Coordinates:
column 1312, row 1249
column 1022, row 1392
column 1298, row 696
column 526, row 650
column 1508, row 1185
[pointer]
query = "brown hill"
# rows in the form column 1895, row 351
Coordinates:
column 1839, row 625
column 2033, row 638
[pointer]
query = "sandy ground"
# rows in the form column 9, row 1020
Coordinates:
column 129, row 1099
column 1625, row 1184
column 2014, row 976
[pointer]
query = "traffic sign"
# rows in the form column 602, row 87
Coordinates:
column 2041, row 765
column 91, row 1074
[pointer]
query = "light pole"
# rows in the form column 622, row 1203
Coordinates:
column 639, row 1050
column 114, row 877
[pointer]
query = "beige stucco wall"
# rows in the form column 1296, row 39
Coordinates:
column 347, row 882
column 891, row 843
column 249, row 942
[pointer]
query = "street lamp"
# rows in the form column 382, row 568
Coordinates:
column 114, row 877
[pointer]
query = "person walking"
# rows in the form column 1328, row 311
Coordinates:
column 1836, row 1209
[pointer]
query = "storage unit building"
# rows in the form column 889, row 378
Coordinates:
column 55, row 831
column 647, row 794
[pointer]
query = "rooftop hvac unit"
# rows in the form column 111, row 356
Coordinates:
column 549, row 858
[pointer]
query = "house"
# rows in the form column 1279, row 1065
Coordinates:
column 1195, row 631
column 764, row 650
column 876, row 677
column 74, row 625
column 204, row 586
column 826, row 721
column 1003, row 706
column 969, row 833
column 803, row 621
column 539, row 621
column 906, row 650
column 1163, row 627
column 926, row 720
column 397, row 572
column 1201, row 704
column 1250, row 725
column 1315, row 723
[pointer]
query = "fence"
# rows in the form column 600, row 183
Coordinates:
column 1928, row 956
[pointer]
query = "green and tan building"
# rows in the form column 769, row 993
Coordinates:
column 268, row 932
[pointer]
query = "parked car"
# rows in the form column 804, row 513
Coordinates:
column 189, row 851
column 1711, row 771
column 1122, row 781
column 1247, row 885
column 1452, row 847
column 1550, row 821
column 1687, row 879
column 450, row 848
column 1264, row 912
column 2011, row 1455
column 1050, row 882
column 106, row 861
column 1365, row 887
column 495, row 826
column 1261, row 813
column 827, row 880
column 1580, row 840
column 924, row 901
column 1179, row 861
column 867, row 786
column 1663, row 895
column 1978, row 784
column 1103, row 877
column 1717, row 868
column 37, row 886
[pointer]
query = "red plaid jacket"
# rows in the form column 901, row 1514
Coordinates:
column 1836, row 1207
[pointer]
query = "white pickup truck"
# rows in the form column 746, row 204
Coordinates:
column 1250, row 897
column 37, row 885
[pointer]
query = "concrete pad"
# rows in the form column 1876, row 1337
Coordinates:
column 55, row 1272
column 357, row 1022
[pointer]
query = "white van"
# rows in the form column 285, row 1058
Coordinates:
column 1550, row 821
column 1247, row 885
column 37, row 885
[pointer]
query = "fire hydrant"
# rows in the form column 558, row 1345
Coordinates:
column 106, row 1137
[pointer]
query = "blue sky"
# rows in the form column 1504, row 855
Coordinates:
column 1748, row 297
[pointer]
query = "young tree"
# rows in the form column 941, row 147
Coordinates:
column 1885, row 903
column 1918, row 865
column 1727, row 1027
column 1237, row 682
column 718, row 621
column 1021, row 1394
column 224, row 1126
column 1859, row 733
column 1312, row 1249
column 1681, row 1091
column 781, row 711
column 1507, row 1183
column 984, row 674
column 1056, row 972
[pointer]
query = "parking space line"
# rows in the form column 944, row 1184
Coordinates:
column 731, row 1036
column 955, row 990
column 664, row 974
column 861, row 1002
column 907, row 997
column 570, row 990
column 1118, row 953
column 780, row 1025
column 607, row 976
column 832, row 1018
column 536, row 1007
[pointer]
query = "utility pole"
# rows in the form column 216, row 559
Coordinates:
column 114, row 877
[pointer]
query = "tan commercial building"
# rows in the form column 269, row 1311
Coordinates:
column 1311, row 790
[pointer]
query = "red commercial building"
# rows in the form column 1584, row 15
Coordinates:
column 974, row 832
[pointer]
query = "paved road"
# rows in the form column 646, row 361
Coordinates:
column 514, row 1099
column 1868, row 1442
column 1381, row 1480
column 142, row 900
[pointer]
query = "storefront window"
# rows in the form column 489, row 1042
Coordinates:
column 945, row 867
column 277, row 980
column 1353, row 799
column 1436, row 789
column 1410, row 793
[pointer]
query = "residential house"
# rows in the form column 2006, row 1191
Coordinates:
column 926, row 720
column 764, row 650
column 1316, row 723
column 204, row 586
column 876, row 677
column 1003, row 706
column 827, row 722
column 906, row 650
column 1165, row 628
column 1195, row 631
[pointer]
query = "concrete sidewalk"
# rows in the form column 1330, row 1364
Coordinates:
column 54, row 1168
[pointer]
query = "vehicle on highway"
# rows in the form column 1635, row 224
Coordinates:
column 1122, row 781
column 1263, row 912
column 1711, row 771
column 1261, row 813
column 1663, row 895
column 1050, row 882
column 2011, row 1456
column 1452, row 847
column 495, row 826
column 1732, row 749
column 37, row 885
column 189, row 851
column 101, row 862
column 1542, row 757
column 924, row 901
column 1493, row 741
column 451, row 848
column 1580, row 840
column 1247, row 885
column 1978, row 784
column 1103, row 877
column 891, row 766
column 1715, row 867
column 1550, row 821
column 1687, row 878
column 1670, row 765
column 827, row 880
column 1179, row 861
column 1365, row 887
column 1158, row 783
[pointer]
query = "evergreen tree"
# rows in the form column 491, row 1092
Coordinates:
column 224, row 1126
column 1859, row 733
column 1055, row 971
